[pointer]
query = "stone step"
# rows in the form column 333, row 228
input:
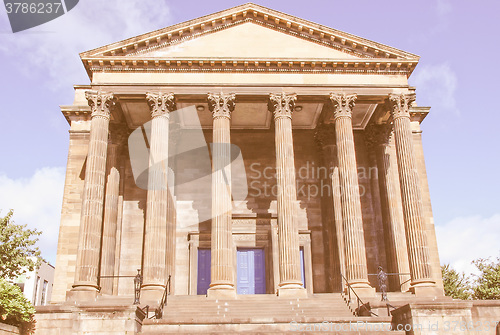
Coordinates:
column 262, row 314
column 151, row 327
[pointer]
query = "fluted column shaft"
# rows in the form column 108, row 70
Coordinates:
column 222, row 253
column 354, row 241
column 288, row 233
column 155, row 239
column 110, row 219
column 87, row 263
column 418, row 250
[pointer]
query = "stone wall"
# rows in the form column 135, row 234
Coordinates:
column 486, row 315
column 6, row 329
column 92, row 318
column 70, row 215
column 460, row 317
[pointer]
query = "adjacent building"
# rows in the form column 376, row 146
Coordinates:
column 37, row 285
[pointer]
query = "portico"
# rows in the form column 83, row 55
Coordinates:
column 172, row 144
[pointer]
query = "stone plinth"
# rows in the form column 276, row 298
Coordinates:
column 113, row 317
column 435, row 318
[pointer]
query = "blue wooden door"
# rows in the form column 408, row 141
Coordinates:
column 204, row 260
column 251, row 272
column 302, row 269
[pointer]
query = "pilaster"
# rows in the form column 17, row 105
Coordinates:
column 325, row 137
column 382, row 141
column 111, row 203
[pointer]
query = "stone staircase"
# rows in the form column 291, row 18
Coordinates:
column 263, row 314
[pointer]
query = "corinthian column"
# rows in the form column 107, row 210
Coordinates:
column 155, row 231
column 87, row 262
column 354, row 241
column 418, row 250
column 282, row 106
column 222, row 266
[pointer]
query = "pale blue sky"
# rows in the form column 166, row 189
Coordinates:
column 457, row 77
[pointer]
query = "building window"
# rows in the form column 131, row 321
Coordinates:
column 35, row 296
column 44, row 292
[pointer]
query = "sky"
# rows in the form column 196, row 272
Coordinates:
column 457, row 76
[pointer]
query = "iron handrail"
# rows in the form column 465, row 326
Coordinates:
column 389, row 306
column 392, row 274
column 358, row 299
column 163, row 301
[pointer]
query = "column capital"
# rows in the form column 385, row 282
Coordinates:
column 160, row 104
column 378, row 134
column 282, row 104
column 401, row 104
column 343, row 104
column 221, row 105
column 100, row 103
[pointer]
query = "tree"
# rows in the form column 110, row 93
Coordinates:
column 487, row 284
column 17, row 248
column 456, row 285
column 15, row 309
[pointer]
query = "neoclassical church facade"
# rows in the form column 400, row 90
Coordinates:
column 243, row 153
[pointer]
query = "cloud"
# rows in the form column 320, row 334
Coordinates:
column 52, row 49
column 464, row 239
column 443, row 7
column 436, row 87
column 37, row 202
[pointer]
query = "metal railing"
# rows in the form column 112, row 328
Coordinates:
column 137, row 284
column 359, row 302
column 389, row 306
column 163, row 301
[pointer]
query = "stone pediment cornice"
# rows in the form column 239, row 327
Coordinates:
column 369, row 56
column 186, row 65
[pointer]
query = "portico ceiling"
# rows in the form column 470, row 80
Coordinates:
column 247, row 115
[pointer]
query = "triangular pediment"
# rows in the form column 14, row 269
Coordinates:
column 248, row 34
column 246, row 41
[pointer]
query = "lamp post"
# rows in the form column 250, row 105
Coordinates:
column 137, row 287
column 382, row 282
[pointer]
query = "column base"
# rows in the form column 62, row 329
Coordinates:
column 221, row 292
column 82, row 293
column 426, row 289
column 151, row 294
column 292, row 290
